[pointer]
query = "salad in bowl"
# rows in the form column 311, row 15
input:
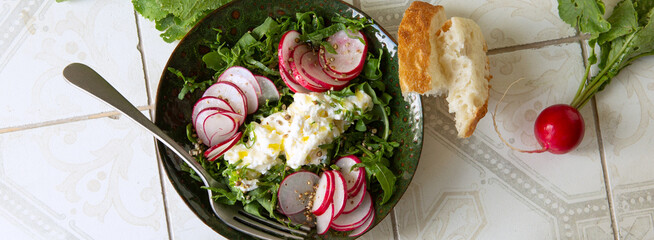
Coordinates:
column 297, row 117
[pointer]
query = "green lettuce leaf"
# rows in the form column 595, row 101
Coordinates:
column 175, row 17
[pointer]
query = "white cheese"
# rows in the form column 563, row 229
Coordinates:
column 310, row 121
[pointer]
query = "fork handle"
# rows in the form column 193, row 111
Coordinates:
column 90, row 81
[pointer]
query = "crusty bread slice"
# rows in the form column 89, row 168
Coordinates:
column 454, row 63
column 416, row 47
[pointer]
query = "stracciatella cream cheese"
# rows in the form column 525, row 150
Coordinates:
column 311, row 120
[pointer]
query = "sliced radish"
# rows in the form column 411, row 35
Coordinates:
column 209, row 102
column 294, row 86
column 304, row 217
column 350, row 52
column 244, row 79
column 360, row 183
column 354, row 201
column 356, row 218
column 199, row 124
column 231, row 93
column 287, row 43
column 332, row 74
column 219, row 149
column 268, row 89
column 310, row 67
column 352, row 177
column 237, row 117
column 219, row 127
column 340, row 193
column 366, row 225
column 295, row 190
column 324, row 193
column 323, row 221
column 298, row 75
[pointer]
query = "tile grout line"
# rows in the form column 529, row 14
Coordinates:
column 146, row 78
column 110, row 114
column 396, row 230
column 600, row 145
column 536, row 45
column 605, row 172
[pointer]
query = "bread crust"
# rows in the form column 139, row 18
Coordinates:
column 414, row 48
column 481, row 112
column 422, row 55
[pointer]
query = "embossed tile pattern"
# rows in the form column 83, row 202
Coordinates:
column 91, row 179
column 41, row 37
column 479, row 188
column 98, row 178
column 183, row 222
column 626, row 110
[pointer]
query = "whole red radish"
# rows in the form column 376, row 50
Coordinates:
column 559, row 128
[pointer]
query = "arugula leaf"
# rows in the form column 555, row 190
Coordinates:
column 267, row 27
column 376, row 166
column 371, row 69
column 588, row 15
column 189, row 83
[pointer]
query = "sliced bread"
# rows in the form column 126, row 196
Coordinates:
column 454, row 63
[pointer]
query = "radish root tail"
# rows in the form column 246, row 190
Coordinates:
column 498, row 131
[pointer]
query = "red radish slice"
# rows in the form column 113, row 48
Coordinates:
column 323, row 221
column 350, row 221
column 354, row 201
column 219, row 127
column 352, row 178
column 332, row 74
column 209, row 102
column 199, row 125
column 231, row 93
column 324, row 193
column 305, row 218
column 310, row 67
column 268, row 89
column 340, row 193
column 237, row 117
column 300, row 77
column 219, row 149
column 366, row 225
column 244, row 79
column 350, row 52
column 294, row 193
column 295, row 87
column 360, row 183
column 287, row 43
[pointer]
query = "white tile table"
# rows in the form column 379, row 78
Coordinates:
column 71, row 168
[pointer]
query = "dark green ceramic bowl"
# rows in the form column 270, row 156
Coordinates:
column 236, row 18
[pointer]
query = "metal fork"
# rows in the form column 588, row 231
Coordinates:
column 90, row 81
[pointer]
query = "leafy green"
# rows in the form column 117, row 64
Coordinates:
column 189, row 84
column 257, row 51
column 588, row 15
column 623, row 21
column 371, row 68
column 313, row 31
column 628, row 37
column 175, row 17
